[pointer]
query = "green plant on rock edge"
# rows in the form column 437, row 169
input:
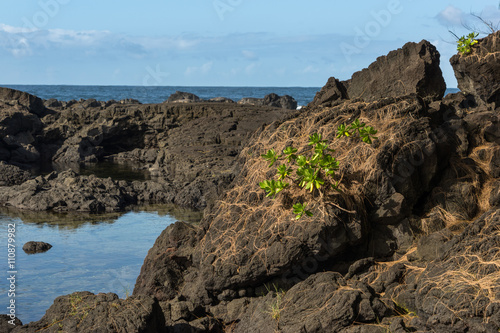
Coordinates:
column 465, row 43
column 314, row 171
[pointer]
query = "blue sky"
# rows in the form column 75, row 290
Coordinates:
column 219, row 42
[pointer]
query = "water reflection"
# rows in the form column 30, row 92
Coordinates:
column 74, row 220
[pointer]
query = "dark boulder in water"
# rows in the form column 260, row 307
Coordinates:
column 36, row 247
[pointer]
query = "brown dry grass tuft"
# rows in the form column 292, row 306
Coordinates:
column 244, row 220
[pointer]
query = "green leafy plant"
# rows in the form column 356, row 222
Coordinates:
column 313, row 171
column 465, row 43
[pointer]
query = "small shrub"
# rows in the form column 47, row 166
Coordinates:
column 465, row 44
column 314, row 171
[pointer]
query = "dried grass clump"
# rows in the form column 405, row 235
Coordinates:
column 245, row 221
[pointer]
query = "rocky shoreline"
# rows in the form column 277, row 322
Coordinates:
column 411, row 243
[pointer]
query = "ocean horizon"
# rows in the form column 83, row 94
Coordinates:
column 159, row 94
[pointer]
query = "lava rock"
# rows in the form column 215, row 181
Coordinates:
column 12, row 175
column 412, row 69
column 477, row 73
column 36, row 247
column 32, row 103
column 86, row 312
column 183, row 97
column 332, row 91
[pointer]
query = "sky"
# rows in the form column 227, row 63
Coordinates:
column 220, row 42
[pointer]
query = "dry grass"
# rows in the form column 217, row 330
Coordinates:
column 244, row 220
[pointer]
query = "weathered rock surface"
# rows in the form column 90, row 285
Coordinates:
column 36, row 247
column 22, row 99
column 12, row 175
column 284, row 102
column 86, row 312
column 331, row 92
column 7, row 327
column 477, row 73
column 191, row 169
column 183, row 97
column 412, row 69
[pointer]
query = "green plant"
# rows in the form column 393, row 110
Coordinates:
column 277, row 304
column 313, row 171
column 465, row 43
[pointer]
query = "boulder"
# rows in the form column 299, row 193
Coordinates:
column 7, row 324
column 91, row 103
column 251, row 101
column 221, row 100
column 86, row 312
column 478, row 73
column 284, row 102
column 324, row 302
column 68, row 191
column 36, row 247
column 32, row 103
column 12, row 175
column 53, row 103
column 412, row 69
column 332, row 91
column 183, row 97
column 124, row 101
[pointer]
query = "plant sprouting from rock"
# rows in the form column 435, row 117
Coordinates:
column 465, row 43
column 314, row 171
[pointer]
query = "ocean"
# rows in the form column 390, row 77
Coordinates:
column 157, row 94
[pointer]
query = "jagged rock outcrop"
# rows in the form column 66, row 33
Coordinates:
column 412, row 69
column 477, row 73
column 331, row 92
column 191, row 169
column 284, row 102
column 16, row 98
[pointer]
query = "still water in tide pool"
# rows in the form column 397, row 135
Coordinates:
column 96, row 253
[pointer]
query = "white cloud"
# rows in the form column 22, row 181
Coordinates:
column 249, row 54
column 203, row 69
column 451, row 16
column 310, row 69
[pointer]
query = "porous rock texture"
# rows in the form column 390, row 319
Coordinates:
column 191, row 150
column 477, row 73
column 412, row 69
column 86, row 312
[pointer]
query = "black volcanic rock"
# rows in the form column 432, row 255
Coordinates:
column 15, row 97
column 332, row 91
column 183, row 97
column 86, row 312
column 36, row 247
column 478, row 73
column 284, row 102
column 412, row 69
